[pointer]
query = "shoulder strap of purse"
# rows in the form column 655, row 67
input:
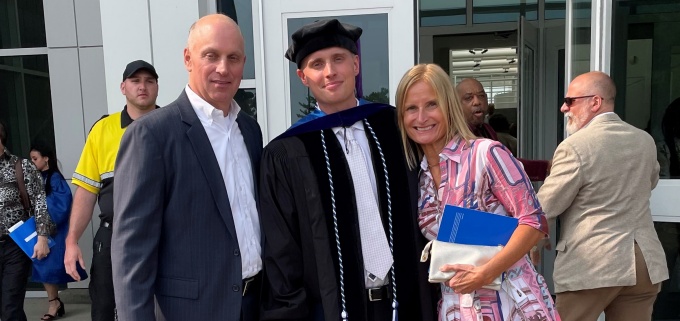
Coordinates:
column 19, row 173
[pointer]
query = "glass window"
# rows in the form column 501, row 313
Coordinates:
column 555, row 9
column 246, row 98
column 580, row 42
column 22, row 24
column 242, row 12
column 442, row 13
column 487, row 11
column 495, row 68
column 646, row 70
column 26, row 101
column 373, row 79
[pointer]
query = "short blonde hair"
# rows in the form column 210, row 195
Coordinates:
column 447, row 100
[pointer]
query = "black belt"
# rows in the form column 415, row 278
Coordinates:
column 251, row 284
column 105, row 224
column 378, row 294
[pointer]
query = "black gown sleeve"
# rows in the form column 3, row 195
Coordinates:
column 284, row 296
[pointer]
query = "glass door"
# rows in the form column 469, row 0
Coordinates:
column 387, row 50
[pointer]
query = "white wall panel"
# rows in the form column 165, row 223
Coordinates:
column 60, row 23
column 170, row 22
column 93, row 85
column 88, row 22
column 67, row 106
column 123, row 42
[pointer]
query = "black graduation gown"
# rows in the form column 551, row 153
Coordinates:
column 300, row 252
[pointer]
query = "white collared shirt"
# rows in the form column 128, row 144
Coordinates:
column 232, row 157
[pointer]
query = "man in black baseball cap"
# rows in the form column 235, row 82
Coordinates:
column 136, row 66
column 94, row 181
column 323, row 204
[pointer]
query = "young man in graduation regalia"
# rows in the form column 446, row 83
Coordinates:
column 337, row 201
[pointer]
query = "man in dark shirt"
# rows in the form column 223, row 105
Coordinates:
column 476, row 105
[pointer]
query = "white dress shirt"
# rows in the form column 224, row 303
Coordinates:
column 232, row 157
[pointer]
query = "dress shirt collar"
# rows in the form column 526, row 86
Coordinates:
column 452, row 151
column 359, row 125
column 207, row 113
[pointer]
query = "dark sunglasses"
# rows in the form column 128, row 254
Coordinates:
column 570, row 100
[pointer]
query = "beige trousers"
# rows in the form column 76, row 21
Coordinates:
column 620, row 303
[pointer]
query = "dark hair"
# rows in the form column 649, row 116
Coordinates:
column 499, row 123
column 3, row 133
column 46, row 150
column 670, row 127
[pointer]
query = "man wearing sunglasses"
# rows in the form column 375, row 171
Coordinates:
column 599, row 185
column 475, row 104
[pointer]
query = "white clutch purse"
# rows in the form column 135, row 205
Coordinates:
column 452, row 253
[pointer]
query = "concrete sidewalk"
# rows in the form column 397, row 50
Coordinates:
column 76, row 304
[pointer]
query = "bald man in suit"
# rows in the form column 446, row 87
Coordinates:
column 186, row 236
column 608, row 257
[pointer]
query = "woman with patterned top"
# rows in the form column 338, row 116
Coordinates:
column 481, row 174
column 15, row 265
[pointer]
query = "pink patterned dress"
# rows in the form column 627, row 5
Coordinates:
column 494, row 182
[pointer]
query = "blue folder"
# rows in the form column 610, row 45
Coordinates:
column 466, row 226
column 25, row 235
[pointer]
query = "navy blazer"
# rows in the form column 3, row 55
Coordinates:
column 174, row 238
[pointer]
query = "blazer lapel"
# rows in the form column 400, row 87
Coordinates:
column 206, row 158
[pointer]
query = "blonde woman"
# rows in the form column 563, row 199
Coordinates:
column 458, row 169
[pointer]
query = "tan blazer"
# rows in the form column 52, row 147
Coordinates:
column 599, row 185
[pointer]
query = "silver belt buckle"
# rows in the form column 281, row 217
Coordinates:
column 370, row 294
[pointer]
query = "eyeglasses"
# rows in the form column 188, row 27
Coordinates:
column 570, row 100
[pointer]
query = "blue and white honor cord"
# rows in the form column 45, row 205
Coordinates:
column 343, row 302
